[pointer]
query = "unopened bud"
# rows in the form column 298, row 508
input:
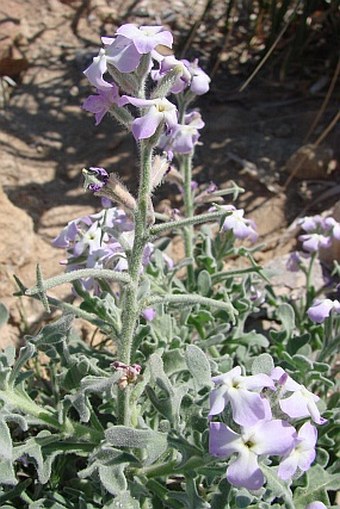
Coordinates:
column 160, row 166
column 166, row 83
column 108, row 186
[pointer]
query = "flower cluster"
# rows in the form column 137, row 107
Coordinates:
column 319, row 232
column 101, row 240
column 254, row 401
column 130, row 57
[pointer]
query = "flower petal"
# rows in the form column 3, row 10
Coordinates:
column 218, row 400
column 223, row 441
column 245, row 472
column 273, row 437
column 146, row 126
column 248, row 407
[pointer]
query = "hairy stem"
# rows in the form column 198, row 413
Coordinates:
column 186, row 167
column 130, row 303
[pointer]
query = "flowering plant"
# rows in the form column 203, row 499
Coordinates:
column 149, row 417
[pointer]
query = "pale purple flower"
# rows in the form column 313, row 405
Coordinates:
column 301, row 402
column 312, row 242
column 321, row 309
column 122, row 54
column 274, row 437
column 159, row 111
column 200, row 81
column 125, row 50
column 311, row 223
column 183, row 137
column 302, row 455
column 149, row 314
column 166, row 65
column 146, row 38
column 101, row 103
column 319, row 232
column 90, row 241
column 96, row 71
column 69, row 233
column 247, row 405
column 295, row 261
column 316, row 505
column 242, row 228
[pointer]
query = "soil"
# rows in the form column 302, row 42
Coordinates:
column 253, row 137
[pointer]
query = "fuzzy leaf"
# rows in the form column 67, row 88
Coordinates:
column 153, row 442
column 198, row 366
column 124, row 500
column 204, row 283
column 158, row 374
column 25, row 353
column 275, row 485
column 285, row 313
column 33, row 448
column 252, row 338
column 112, row 478
column 7, row 475
column 319, row 481
column 6, row 447
column 262, row 364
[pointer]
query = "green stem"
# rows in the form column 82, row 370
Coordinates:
column 189, row 221
column 190, row 299
column 78, row 274
column 130, row 306
column 309, row 286
column 186, row 167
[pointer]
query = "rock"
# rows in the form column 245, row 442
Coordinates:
column 310, row 162
column 17, row 244
column 290, row 283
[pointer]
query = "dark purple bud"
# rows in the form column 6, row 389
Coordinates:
column 95, row 179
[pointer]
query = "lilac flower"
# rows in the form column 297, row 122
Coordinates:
column 319, row 232
column 312, row 242
column 274, row 437
column 311, row 223
column 149, row 314
column 159, row 111
column 301, row 403
column 242, row 228
column 146, row 38
column 101, row 103
column 247, row 406
column 321, row 309
column 295, row 261
column 183, row 137
column 200, row 81
column 69, row 233
column 122, row 54
column 302, row 455
column 90, row 240
column 125, row 50
column 166, row 65
column 96, row 71
column 91, row 243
